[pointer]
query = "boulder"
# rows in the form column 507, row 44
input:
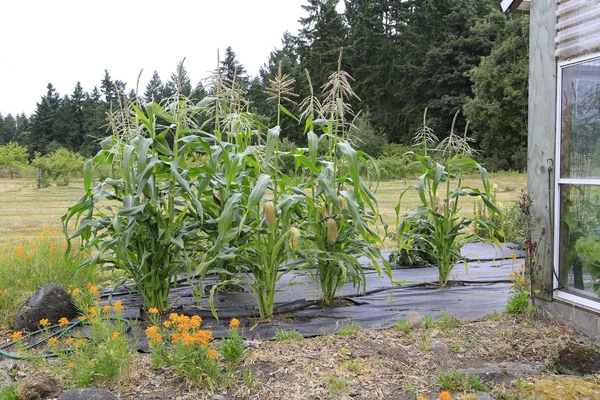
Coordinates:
column 415, row 320
column 51, row 302
column 87, row 394
column 37, row 386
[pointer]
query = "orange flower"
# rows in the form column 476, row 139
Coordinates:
column 44, row 322
column 153, row 310
column 69, row 341
column 115, row 335
column 234, row 323
column 421, row 398
column 105, row 309
column 82, row 318
column 63, row 321
column 167, row 324
column 118, row 306
column 93, row 289
column 91, row 363
column 76, row 291
column 16, row 335
column 151, row 331
column 212, row 353
column 445, row 396
column 513, row 256
column 0, row 291
column 71, row 364
column 53, row 341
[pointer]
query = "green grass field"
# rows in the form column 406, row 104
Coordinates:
column 26, row 210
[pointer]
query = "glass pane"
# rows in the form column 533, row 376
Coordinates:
column 579, row 271
column 580, row 117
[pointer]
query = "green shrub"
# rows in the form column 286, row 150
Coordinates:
column 456, row 381
column 58, row 167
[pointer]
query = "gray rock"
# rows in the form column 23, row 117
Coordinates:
column 504, row 371
column 484, row 396
column 415, row 320
column 86, row 394
column 438, row 345
column 39, row 385
column 51, row 302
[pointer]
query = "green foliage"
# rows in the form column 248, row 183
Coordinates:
column 518, row 303
column 456, row 381
column 365, row 138
column 27, row 265
column 9, row 391
column 402, row 326
column 336, row 385
column 59, row 166
column 232, row 348
column 349, row 328
column 292, row 334
column 446, row 321
column 13, row 155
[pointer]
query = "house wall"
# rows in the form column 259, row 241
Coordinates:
column 542, row 139
column 575, row 32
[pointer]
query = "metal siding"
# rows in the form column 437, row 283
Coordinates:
column 578, row 28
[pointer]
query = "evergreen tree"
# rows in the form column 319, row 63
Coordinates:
column 154, row 89
column 8, row 129
column 498, row 108
column 107, row 87
column 178, row 79
column 94, row 126
column 43, row 123
column 322, row 35
column 231, row 67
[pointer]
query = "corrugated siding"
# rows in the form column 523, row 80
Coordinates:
column 578, row 28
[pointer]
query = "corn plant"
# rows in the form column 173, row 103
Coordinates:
column 145, row 218
column 340, row 203
column 440, row 189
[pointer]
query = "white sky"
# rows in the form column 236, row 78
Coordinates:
column 65, row 41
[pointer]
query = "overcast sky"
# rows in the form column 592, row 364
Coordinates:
column 65, row 41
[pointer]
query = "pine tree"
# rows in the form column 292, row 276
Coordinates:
column 154, row 89
column 178, row 79
column 43, row 122
column 8, row 129
column 231, row 68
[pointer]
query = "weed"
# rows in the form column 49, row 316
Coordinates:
column 454, row 380
column 424, row 345
column 446, row 321
column 336, row 385
column 410, row 387
column 456, row 347
column 354, row 366
column 349, row 329
column 427, row 321
column 495, row 316
column 402, row 326
column 469, row 339
column 9, row 392
column 288, row 335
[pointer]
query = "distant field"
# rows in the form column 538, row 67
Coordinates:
column 25, row 210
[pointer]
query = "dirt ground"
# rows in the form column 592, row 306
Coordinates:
column 386, row 364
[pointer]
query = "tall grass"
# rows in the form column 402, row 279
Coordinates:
column 27, row 264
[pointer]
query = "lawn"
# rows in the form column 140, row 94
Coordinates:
column 25, row 210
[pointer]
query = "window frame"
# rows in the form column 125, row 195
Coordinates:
column 559, row 294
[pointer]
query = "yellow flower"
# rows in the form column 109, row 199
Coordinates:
column 115, row 335
column 513, row 256
column 63, row 321
column 118, row 306
column 167, row 324
column 53, row 341
column 212, row 353
column 153, row 310
column 69, row 341
column 234, row 323
column 82, row 318
column 91, row 363
column 445, row 396
column 44, row 322
column 71, row 364
column 105, row 309
column 16, row 335
column 76, row 291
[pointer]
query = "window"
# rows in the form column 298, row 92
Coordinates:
column 578, row 180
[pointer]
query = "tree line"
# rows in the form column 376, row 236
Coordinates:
column 404, row 56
